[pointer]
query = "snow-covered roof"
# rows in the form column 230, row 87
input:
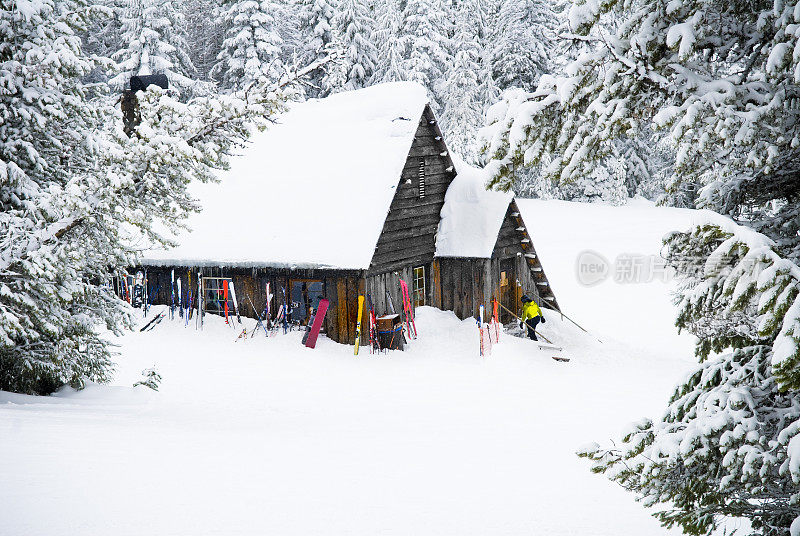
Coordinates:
column 471, row 216
column 311, row 191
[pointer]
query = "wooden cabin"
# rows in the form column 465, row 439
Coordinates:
column 343, row 197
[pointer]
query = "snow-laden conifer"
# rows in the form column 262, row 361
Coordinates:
column 153, row 41
column 390, row 45
column 79, row 198
column 204, row 34
column 460, row 88
column 719, row 78
column 354, row 32
column 252, row 47
column 48, row 141
column 729, row 442
column 315, row 33
column 424, row 34
column 522, row 42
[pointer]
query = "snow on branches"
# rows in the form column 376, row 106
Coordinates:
column 729, row 441
column 716, row 76
column 77, row 195
column 725, row 447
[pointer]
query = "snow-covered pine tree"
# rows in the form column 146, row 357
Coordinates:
column 729, row 442
column 204, row 34
column 252, row 47
column 633, row 67
column 390, row 44
column 720, row 78
column 639, row 164
column 462, row 104
column 153, row 41
column 522, row 41
column 47, row 305
column 102, row 36
column 76, row 192
column 315, row 31
column 425, row 33
column 354, row 31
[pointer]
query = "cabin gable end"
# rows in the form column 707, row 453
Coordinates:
column 408, row 236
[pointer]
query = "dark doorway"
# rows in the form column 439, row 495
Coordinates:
column 508, row 287
column 305, row 295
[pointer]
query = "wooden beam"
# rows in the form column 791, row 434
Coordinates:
column 436, row 283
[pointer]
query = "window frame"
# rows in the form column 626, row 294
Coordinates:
column 416, row 290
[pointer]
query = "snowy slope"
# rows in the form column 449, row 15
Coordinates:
column 639, row 313
column 268, row 437
column 307, row 176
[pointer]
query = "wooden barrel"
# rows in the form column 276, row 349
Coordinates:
column 390, row 332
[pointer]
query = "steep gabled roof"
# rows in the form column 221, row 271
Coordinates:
column 312, row 191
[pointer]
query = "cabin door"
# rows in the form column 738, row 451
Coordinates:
column 508, row 287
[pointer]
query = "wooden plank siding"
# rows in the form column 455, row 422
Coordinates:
column 535, row 269
column 464, row 285
column 436, row 284
column 340, row 287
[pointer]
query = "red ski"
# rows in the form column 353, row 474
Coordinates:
column 310, row 339
column 408, row 309
column 225, row 297
column 496, row 321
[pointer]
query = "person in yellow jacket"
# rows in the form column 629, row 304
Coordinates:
column 531, row 315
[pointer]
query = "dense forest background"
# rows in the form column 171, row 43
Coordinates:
column 468, row 53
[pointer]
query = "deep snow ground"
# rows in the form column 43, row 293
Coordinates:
column 267, row 437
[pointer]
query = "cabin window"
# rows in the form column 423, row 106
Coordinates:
column 419, row 286
column 214, row 295
column 503, row 279
column 305, row 296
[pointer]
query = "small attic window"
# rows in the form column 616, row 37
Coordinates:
column 421, row 178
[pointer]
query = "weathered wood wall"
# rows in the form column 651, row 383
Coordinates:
column 408, row 237
column 538, row 279
column 340, row 287
column 465, row 284
column 377, row 286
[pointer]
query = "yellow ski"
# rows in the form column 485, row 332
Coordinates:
column 358, row 324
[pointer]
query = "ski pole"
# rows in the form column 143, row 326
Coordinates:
column 258, row 316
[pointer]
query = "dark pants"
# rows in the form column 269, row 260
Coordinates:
column 531, row 323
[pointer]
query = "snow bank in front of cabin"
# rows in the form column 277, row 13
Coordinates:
column 471, row 215
column 312, row 190
column 265, row 436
